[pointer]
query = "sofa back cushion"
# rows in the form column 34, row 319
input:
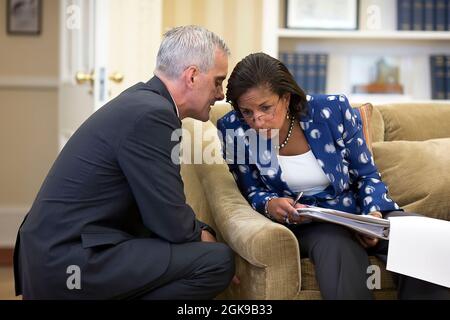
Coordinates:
column 415, row 121
column 417, row 175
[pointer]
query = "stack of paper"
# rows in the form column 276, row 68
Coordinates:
column 420, row 247
column 364, row 224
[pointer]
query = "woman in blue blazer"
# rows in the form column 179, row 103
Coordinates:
column 278, row 142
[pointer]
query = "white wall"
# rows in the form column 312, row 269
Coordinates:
column 28, row 116
column 238, row 22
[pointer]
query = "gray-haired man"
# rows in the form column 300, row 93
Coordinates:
column 111, row 219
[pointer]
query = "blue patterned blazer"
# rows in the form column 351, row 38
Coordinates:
column 333, row 130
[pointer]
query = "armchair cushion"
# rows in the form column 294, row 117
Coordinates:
column 417, row 175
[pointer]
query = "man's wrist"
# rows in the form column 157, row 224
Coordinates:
column 209, row 229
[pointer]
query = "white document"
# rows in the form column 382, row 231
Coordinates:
column 420, row 247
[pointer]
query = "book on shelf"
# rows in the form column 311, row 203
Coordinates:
column 404, row 15
column 447, row 77
column 439, row 77
column 441, row 14
column 448, row 15
column 363, row 224
column 289, row 61
column 300, row 74
column 428, row 15
column 311, row 73
column 308, row 69
column 417, row 15
column 322, row 64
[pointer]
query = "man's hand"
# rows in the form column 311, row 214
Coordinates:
column 206, row 236
column 368, row 242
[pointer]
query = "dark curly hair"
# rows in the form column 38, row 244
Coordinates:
column 259, row 70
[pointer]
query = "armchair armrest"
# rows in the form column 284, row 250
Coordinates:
column 261, row 242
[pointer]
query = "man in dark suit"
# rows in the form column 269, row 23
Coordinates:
column 111, row 219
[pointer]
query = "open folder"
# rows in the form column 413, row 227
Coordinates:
column 364, row 224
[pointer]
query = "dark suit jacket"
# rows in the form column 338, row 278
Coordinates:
column 111, row 204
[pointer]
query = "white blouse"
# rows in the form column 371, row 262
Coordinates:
column 303, row 173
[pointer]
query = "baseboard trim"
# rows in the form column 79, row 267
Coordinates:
column 6, row 257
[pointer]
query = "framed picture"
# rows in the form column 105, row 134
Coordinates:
column 322, row 14
column 24, row 17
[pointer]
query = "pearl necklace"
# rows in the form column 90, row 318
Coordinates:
column 285, row 142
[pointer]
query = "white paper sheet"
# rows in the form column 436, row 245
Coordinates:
column 420, row 247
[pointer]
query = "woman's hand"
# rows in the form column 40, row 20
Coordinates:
column 368, row 242
column 376, row 214
column 283, row 211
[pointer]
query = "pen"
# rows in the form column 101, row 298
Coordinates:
column 298, row 198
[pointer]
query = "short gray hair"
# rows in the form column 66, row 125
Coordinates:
column 185, row 46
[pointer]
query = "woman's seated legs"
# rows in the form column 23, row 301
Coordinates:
column 340, row 261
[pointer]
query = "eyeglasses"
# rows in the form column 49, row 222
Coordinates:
column 268, row 113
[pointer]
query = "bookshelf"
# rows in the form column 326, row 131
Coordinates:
column 411, row 48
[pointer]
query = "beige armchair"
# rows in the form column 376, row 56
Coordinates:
column 268, row 261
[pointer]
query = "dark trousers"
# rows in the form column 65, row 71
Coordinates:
column 341, row 264
column 197, row 270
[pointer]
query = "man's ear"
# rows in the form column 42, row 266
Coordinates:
column 190, row 74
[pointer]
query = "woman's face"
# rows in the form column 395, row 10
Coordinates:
column 264, row 109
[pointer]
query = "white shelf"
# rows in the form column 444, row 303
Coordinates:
column 364, row 35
